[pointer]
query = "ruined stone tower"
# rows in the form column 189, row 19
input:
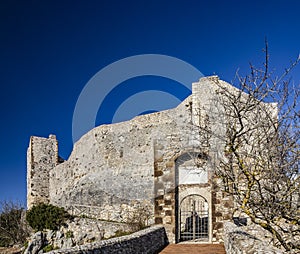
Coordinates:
column 42, row 156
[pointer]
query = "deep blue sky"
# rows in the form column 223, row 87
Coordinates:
column 50, row 49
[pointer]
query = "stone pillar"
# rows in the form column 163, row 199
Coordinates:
column 42, row 156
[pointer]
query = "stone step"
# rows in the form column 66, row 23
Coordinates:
column 194, row 249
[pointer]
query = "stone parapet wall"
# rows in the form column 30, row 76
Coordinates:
column 238, row 241
column 150, row 240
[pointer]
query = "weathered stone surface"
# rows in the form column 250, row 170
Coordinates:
column 150, row 240
column 85, row 230
column 42, row 156
column 238, row 241
column 36, row 243
column 78, row 231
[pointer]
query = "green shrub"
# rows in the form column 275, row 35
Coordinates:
column 48, row 248
column 119, row 233
column 4, row 242
column 69, row 234
column 43, row 216
column 25, row 246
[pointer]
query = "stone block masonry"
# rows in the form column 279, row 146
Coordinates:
column 148, row 241
column 42, row 156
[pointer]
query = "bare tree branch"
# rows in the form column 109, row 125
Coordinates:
column 260, row 164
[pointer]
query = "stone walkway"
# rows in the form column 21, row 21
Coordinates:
column 194, row 249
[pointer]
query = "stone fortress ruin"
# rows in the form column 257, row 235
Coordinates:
column 161, row 163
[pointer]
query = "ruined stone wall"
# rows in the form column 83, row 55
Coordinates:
column 112, row 167
column 116, row 169
column 150, row 240
column 42, row 157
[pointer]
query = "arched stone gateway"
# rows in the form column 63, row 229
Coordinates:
column 193, row 217
column 193, row 198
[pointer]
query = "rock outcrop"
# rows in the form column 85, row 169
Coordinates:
column 76, row 232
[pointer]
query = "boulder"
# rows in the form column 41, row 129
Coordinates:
column 36, row 243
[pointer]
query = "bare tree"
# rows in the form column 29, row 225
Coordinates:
column 13, row 227
column 139, row 217
column 260, row 164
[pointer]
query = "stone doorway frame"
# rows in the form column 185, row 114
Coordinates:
column 193, row 219
column 203, row 189
column 184, row 191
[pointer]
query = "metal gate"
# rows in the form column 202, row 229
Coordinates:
column 193, row 219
